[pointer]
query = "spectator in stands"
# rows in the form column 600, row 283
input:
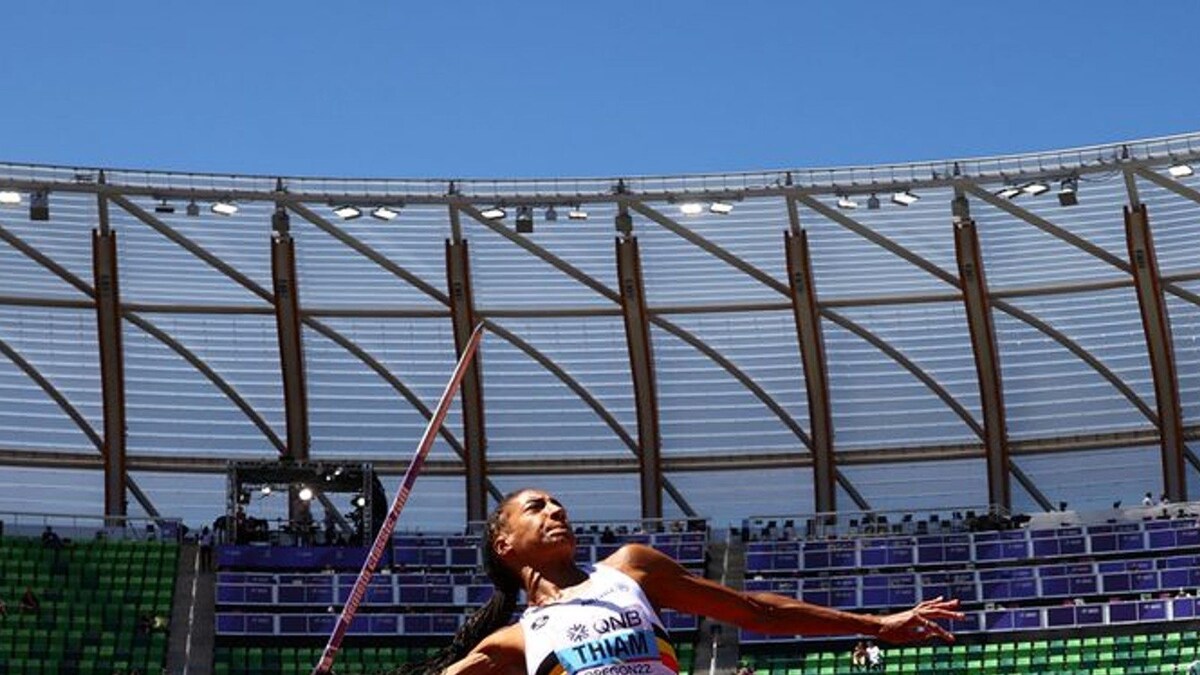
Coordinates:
column 528, row 545
column 874, row 656
column 607, row 536
column 206, row 549
column 1162, row 500
column 29, row 602
column 1148, row 500
column 744, row 669
column 858, row 656
column 50, row 538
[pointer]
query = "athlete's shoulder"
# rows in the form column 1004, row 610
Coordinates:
column 639, row 561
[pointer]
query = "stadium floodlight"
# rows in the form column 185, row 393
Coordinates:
column 1035, row 188
column 904, row 198
column 577, row 213
column 1068, row 192
column 359, row 501
column 494, row 213
column 193, row 209
column 721, row 208
column 347, row 211
column 10, row 197
column 39, row 205
column 266, row 490
column 164, row 206
column 844, row 202
column 551, row 214
column 385, row 213
column 224, row 207
column 691, row 208
column 1180, row 170
column 305, row 494
column 1008, row 192
column 525, row 220
column 873, row 202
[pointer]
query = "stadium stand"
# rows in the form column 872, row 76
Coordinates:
column 275, row 603
column 102, row 608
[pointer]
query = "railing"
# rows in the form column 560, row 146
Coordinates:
column 34, row 524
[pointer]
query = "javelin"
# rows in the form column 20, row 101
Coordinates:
column 385, row 532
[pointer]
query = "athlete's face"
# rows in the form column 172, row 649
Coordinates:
column 534, row 522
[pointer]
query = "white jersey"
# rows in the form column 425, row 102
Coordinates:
column 611, row 629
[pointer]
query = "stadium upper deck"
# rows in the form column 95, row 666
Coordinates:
column 914, row 412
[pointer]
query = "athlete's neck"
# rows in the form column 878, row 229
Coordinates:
column 547, row 583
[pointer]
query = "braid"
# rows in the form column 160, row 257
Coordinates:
column 493, row 615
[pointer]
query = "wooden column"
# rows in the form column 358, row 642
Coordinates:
column 464, row 320
column 987, row 359
column 112, row 364
column 816, row 374
column 1157, row 326
column 641, row 361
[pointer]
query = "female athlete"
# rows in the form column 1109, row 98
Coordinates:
column 603, row 620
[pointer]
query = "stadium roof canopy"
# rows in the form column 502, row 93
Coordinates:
column 923, row 352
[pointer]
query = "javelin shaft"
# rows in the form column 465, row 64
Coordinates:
column 385, row 532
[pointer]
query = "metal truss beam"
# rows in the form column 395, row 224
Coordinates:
column 464, row 321
column 987, row 360
column 751, row 459
column 641, row 366
column 1157, row 326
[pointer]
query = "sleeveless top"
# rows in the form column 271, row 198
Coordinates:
column 610, row 630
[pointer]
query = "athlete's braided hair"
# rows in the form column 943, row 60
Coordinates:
column 493, row 615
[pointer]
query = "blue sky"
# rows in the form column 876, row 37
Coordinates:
column 538, row 88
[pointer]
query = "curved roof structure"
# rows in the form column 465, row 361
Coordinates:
column 922, row 351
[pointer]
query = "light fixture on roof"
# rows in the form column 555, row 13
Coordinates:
column 10, row 197
column 721, row 208
column 551, row 214
column 1068, row 192
column 1035, row 188
column 873, row 202
column 1180, row 170
column 691, row 208
column 524, row 219
column 494, row 213
column 347, row 211
column 359, row 501
column 904, row 198
column 305, row 494
column 193, row 209
column 1008, row 192
column 39, row 205
column 385, row 213
column 845, row 202
column 224, row 207
column 266, row 490
column 577, row 213
column 164, row 206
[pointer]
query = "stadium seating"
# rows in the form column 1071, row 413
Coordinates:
column 273, row 606
column 1009, row 580
column 1140, row 654
column 93, row 596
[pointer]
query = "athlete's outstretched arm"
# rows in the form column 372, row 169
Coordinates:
column 501, row 653
column 668, row 584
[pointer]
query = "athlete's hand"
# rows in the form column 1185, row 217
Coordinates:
column 917, row 624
